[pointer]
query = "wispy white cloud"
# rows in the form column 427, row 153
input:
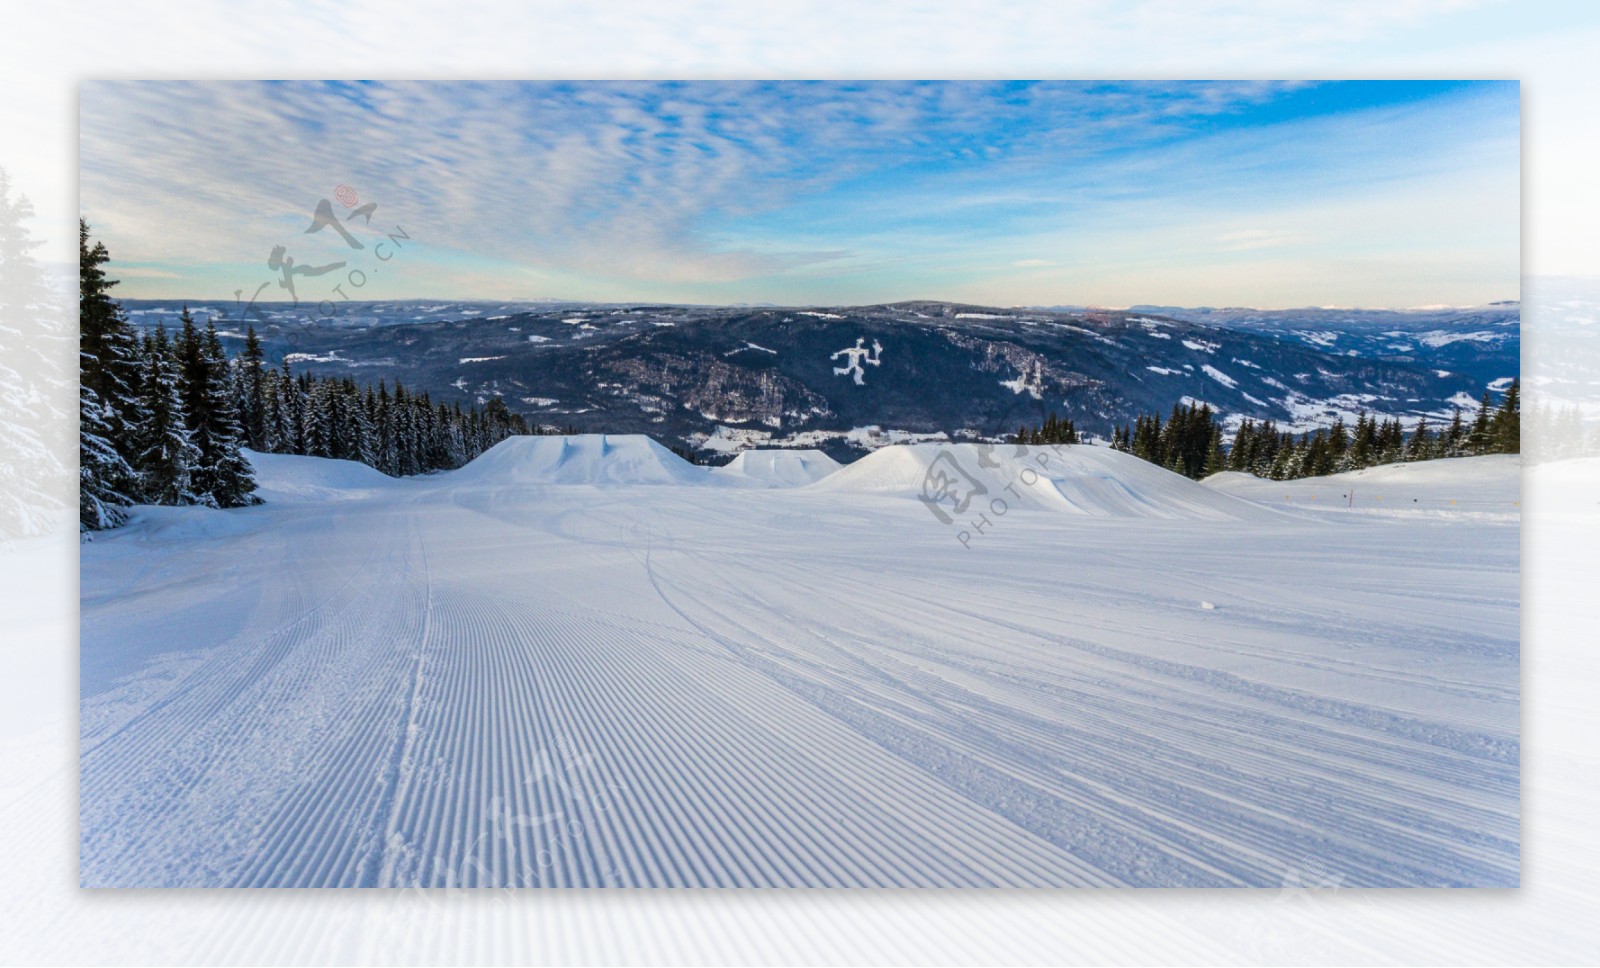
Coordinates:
column 709, row 187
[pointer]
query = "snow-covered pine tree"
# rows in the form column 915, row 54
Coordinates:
column 271, row 412
column 191, row 373
column 112, row 367
column 405, row 443
column 384, row 427
column 108, row 380
column 364, row 443
column 1271, row 442
column 33, row 383
column 292, row 416
column 1285, row 465
column 319, row 420
column 226, row 474
column 1337, row 447
column 166, row 454
column 194, row 381
column 251, row 376
column 103, row 475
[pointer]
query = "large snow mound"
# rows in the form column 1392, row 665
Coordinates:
column 1488, row 485
column 580, row 459
column 284, row 478
column 1089, row 481
column 780, row 468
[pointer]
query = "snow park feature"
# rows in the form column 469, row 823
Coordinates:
column 1089, row 481
column 583, row 661
column 601, row 459
column 779, row 468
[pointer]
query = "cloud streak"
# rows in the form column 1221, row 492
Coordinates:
column 734, row 190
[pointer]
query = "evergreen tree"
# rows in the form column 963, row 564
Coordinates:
column 320, row 421
column 1054, row 430
column 252, row 392
column 103, row 474
column 166, row 453
column 108, row 375
column 1126, row 439
column 1364, row 445
column 1478, row 439
column 184, row 412
column 1454, row 440
column 224, row 473
column 1216, row 461
column 1284, row 464
column 1420, row 447
column 1244, row 441
column 1391, row 442
column 1176, row 465
column 1336, row 448
column 1505, row 428
column 110, row 365
column 193, row 379
column 34, row 402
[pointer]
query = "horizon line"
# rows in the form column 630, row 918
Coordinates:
column 1036, row 307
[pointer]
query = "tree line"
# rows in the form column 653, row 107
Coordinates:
column 1558, row 431
column 1054, row 430
column 163, row 418
column 400, row 432
column 1191, row 442
column 1259, row 448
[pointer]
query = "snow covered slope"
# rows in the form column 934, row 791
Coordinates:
column 780, row 468
column 1482, row 486
column 463, row 680
column 287, row 477
column 580, row 459
column 1090, row 481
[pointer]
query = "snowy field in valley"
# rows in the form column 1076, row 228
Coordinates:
column 582, row 661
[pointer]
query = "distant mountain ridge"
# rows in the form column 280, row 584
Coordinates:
column 1483, row 342
column 849, row 379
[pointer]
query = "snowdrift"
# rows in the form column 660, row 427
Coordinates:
column 779, row 468
column 581, row 459
column 288, row 478
column 1491, row 484
column 1084, row 480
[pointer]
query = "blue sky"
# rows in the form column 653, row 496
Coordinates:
column 1111, row 193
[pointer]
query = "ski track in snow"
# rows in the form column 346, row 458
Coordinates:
column 461, row 680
